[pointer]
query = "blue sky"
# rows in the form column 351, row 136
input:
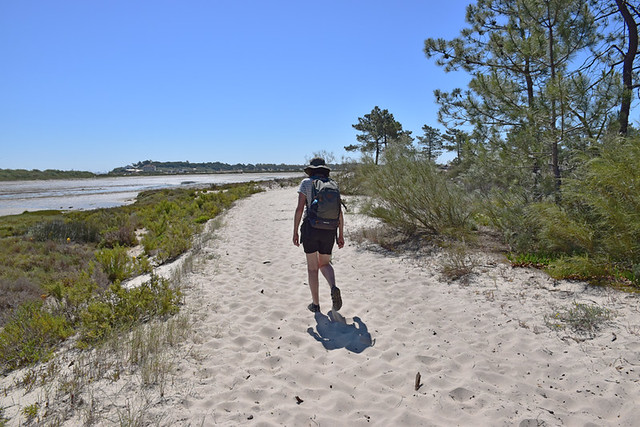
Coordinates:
column 93, row 85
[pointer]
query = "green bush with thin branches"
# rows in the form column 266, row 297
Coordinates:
column 119, row 308
column 596, row 226
column 411, row 194
column 116, row 263
column 30, row 335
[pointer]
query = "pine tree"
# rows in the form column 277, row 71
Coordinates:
column 431, row 141
column 378, row 129
column 520, row 54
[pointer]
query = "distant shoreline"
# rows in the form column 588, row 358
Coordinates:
column 17, row 197
column 9, row 175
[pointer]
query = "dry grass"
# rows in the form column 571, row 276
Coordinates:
column 84, row 384
column 458, row 262
column 579, row 318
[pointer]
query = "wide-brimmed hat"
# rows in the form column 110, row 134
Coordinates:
column 316, row 164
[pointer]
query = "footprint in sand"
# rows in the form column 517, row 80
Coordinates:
column 530, row 422
column 461, row 394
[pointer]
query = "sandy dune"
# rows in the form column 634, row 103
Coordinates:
column 483, row 351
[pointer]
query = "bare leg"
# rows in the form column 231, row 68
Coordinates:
column 326, row 269
column 312, row 271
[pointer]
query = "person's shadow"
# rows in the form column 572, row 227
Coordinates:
column 333, row 332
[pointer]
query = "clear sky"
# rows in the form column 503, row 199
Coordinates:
column 93, row 85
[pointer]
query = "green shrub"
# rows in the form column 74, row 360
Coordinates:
column 30, row 335
column 142, row 265
column 63, row 258
column 120, row 308
column 72, row 295
column 116, row 263
column 30, row 412
column 351, row 182
column 176, row 240
column 558, row 230
column 530, row 259
column 202, row 219
column 410, row 194
column 122, row 235
column 173, row 218
column 97, row 322
column 597, row 224
column 505, row 211
column 606, row 195
column 580, row 267
column 14, row 293
column 633, row 276
column 19, row 225
column 458, row 263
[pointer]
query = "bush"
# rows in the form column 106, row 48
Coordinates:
column 579, row 267
column 606, row 195
column 558, row 230
column 72, row 295
column 410, row 194
column 119, row 308
column 30, row 335
column 122, row 235
column 13, row 293
column 505, row 211
column 597, row 225
column 530, row 259
column 116, row 263
column 458, row 263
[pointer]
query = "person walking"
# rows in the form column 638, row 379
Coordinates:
column 318, row 235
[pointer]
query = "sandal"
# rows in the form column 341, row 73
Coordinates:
column 336, row 298
column 314, row 308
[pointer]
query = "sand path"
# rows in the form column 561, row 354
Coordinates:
column 483, row 351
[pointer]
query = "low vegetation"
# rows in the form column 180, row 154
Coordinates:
column 88, row 387
column 25, row 175
column 62, row 272
column 579, row 318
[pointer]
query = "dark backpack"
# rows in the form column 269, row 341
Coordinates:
column 324, row 210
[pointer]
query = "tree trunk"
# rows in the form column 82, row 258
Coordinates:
column 554, row 115
column 627, row 66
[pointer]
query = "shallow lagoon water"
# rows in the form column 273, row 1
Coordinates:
column 93, row 193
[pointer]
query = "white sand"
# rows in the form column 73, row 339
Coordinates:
column 485, row 356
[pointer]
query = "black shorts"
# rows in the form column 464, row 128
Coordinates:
column 317, row 240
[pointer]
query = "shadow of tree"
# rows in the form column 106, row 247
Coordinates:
column 334, row 332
